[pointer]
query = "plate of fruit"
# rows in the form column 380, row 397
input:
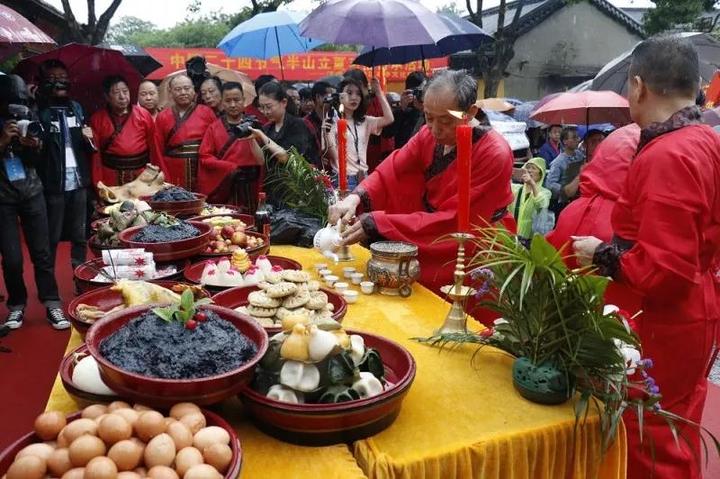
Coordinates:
column 239, row 219
column 224, row 240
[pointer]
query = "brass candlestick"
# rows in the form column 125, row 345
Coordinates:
column 456, row 319
column 343, row 253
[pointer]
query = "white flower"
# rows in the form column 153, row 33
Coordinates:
column 500, row 321
column 609, row 309
column 630, row 355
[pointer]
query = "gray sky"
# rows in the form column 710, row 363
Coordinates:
column 166, row 13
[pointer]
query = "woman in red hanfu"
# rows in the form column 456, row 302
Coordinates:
column 124, row 135
column 666, row 248
column 230, row 159
column 412, row 196
column 179, row 131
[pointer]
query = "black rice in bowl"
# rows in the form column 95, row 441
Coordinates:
column 150, row 346
column 162, row 233
column 173, row 193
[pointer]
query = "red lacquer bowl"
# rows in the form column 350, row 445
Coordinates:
column 88, row 270
column 178, row 208
column 235, row 297
column 104, row 298
column 193, row 273
column 249, row 220
column 165, row 392
column 252, row 252
column 8, row 455
column 324, row 424
column 171, row 250
column 67, row 366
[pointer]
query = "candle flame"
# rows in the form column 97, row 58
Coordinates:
column 341, row 109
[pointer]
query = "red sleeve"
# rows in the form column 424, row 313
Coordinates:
column 149, row 124
column 162, row 127
column 213, row 169
column 665, row 258
column 96, row 124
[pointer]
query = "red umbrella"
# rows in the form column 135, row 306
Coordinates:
column 87, row 67
column 16, row 32
column 584, row 108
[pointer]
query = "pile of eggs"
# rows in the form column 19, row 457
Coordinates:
column 118, row 441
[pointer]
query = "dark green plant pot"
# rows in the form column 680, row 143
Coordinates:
column 543, row 384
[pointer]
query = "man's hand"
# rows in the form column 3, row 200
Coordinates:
column 30, row 142
column 406, row 99
column 87, row 133
column 354, row 234
column 258, row 135
column 9, row 131
column 584, row 247
column 344, row 210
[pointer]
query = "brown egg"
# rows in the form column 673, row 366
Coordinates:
column 79, row 427
column 160, row 451
column 218, row 456
column 195, row 421
column 28, row 467
column 94, row 411
column 141, row 408
column 202, row 471
column 114, row 428
column 101, row 468
column 181, row 435
column 129, row 475
column 162, row 472
column 149, row 425
column 62, row 440
column 130, row 415
column 115, row 405
column 99, row 419
column 182, row 409
column 41, row 450
column 49, row 424
column 169, row 420
column 187, row 458
column 59, row 462
column 84, row 448
column 126, row 454
column 140, row 471
column 75, row 473
column 210, row 435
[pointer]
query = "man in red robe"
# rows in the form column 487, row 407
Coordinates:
column 412, row 196
column 124, row 134
column 666, row 248
column 179, row 131
column 230, row 158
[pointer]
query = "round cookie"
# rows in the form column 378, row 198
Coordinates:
column 295, row 276
column 318, row 300
column 273, row 277
column 296, row 301
column 281, row 290
column 259, row 312
column 313, row 285
column 262, row 300
column 264, row 322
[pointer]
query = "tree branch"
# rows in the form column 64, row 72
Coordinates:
column 518, row 13
column 479, row 9
column 473, row 17
column 502, row 9
column 102, row 25
column 92, row 19
column 255, row 7
column 70, row 19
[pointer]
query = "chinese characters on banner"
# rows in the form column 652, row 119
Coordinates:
column 298, row 67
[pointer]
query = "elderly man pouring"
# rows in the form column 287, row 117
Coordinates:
column 413, row 195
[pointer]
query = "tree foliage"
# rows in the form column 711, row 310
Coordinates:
column 93, row 32
column 671, row 14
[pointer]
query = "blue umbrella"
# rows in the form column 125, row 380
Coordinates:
column 268, row 35
column 465, row 36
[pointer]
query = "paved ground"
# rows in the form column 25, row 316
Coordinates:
column 715, row 373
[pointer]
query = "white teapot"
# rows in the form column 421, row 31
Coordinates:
column 328, row 240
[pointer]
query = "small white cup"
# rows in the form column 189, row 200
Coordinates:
column 325, row 272
column 356, row 278
column 350, row 295
column 320, row 266
column 367, row 287
column 348, row 272
column 341, row 286
column 331, row 279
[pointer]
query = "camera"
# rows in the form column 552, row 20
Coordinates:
column 22, row 115
column 242, row 130
column 196, row 69
column 333, row 101
column 418, row 93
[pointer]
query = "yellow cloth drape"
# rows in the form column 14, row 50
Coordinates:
column 461, row 418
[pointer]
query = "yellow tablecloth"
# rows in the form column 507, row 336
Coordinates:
column 459, row 420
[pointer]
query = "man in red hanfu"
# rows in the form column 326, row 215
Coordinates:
column 412, row 196
column 230, row 158
column 179, row 131
column 666, row 248
column 124, row 134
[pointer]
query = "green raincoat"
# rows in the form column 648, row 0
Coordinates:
column 525, row 206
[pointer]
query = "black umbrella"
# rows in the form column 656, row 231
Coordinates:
column 140, row 59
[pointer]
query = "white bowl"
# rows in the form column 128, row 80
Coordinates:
column 325, row 272
column 320, row 266
column 348, row 272
column 331, row 279
column 356, row 278
column 350, row 295
column 341, row 286
column 367, row 287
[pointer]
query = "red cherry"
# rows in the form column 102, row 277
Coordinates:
column 191, row 324
column 201, row 317
column 486, row 333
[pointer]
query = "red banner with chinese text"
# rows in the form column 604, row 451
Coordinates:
column 298, row 67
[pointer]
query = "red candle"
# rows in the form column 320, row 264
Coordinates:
column 342, row 154
column 463, row 137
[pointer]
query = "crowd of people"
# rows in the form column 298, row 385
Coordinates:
column 642, row 204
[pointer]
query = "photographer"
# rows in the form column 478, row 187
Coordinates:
column 21, row 197
column 408, row 115
column 323, row 101
column 230, row 157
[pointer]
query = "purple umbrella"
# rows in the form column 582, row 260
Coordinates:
column 376, row 23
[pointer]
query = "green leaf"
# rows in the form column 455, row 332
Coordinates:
column 187, row 300
column 203, row 302
column 165, row 313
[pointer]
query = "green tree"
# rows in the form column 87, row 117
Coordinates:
column 93, row 32
column 671, row 14
column 127, row 28
column 450, row 8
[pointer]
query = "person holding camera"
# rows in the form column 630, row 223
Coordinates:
column 21, row 197
column 124, row 135
column 68, row 144
column 408, row 115
column 230, row 157
column 360, row 127
column 324, row 104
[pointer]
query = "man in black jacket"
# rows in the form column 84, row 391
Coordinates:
column 65, row 171
column 21, row 196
